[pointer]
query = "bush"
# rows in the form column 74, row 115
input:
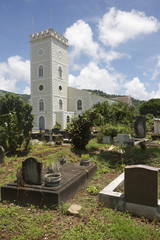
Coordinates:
column 57, row 126
column 111, row 130
column 16, row 120
column 79, row 131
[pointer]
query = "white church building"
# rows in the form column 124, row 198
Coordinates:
column 53, row 100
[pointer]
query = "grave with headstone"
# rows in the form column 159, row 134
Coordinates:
column 123, row 140
column 140, row 127
column 134, row 191
column 37, row 186
column 141, row 185
column 32, row 171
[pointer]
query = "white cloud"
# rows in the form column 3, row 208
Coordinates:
column 12, row 72
column 112, row 55
column 118, row 26
column 137, row 90
column 27, row 90
column 93, row 77
column 157, row 69
column 80, row 37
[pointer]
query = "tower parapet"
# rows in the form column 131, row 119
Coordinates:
column 48, row 33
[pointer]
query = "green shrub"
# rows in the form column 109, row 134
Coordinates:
column 113, row 130
column 57, row 126
column 79, row 131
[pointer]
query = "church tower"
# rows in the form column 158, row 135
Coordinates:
column 49, row 78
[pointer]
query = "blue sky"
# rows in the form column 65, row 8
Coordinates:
column 114, row 45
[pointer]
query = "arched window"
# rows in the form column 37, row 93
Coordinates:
column 41, row 71
column 41, row 105
column 60, row 104
column 60, row 72
column 79, row 105
column 68, row 119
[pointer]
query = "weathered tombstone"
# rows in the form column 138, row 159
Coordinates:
column 2, row 155
column 140, row 127
column 141, row 185
column 107, row 139
column 157, row 126
column 123, row 139
column 32, row 171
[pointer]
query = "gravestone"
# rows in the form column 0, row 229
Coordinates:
column 141, row 185
column 123, row 140
column 140, row 127
column 107, row 140
column 32, row 171
column 2, row 155
column 157, row 126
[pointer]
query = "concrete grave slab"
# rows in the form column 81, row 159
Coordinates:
column 73, row 175
column 112, row 197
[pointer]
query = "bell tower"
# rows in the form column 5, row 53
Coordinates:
column 49, row 78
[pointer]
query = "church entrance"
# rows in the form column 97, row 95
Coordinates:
column 41, row 123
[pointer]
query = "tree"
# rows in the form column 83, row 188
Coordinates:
column 122, row 113
column 16, row 120
column 100, row 113
column 79, row 131
column 151, row 106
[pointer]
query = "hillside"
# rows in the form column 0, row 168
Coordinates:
column 25, row 97
column 135, row 102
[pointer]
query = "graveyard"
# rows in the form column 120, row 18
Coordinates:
column 94, row 220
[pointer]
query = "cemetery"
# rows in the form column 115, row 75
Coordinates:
column 62, row 188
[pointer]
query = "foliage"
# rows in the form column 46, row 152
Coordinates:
column 151, row 106
column 93, row 190
column 57, row 126
column 85, row 156
column 25, row 97
column 99, row 113
column 122, row 113
column 16, row 120
column 102, row 113
column 149, row 122
column 113, row 130
column 79, row 130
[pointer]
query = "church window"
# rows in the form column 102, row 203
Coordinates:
column 41, row 71
column 60, row 88
column 60, row 72
column 40, row 87
column 68, row 119
column 60, row 104
column 41, row 105
column 79, row 105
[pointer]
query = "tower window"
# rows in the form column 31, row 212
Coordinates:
column 40, row 87
column 41, row 71
column 41, row 105
column 79, row 105
column 60, row 72
column 60, row 104
column 60, row 88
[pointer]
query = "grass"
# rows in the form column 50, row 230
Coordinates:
column 94, row 221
